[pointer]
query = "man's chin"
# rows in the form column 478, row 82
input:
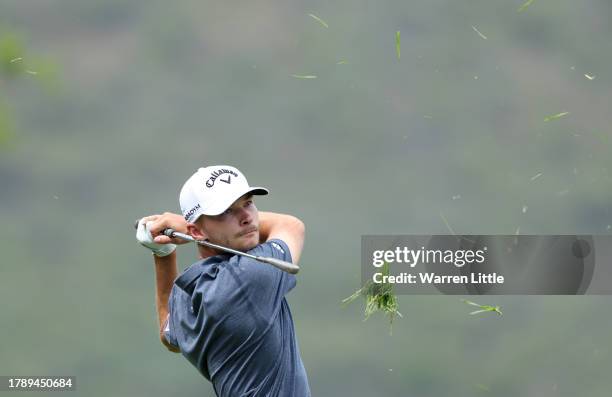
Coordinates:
column 248, row 242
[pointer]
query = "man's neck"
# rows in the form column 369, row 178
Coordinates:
column 207, row 252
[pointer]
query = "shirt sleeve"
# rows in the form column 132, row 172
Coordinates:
column 169, row 332
column 268, row 284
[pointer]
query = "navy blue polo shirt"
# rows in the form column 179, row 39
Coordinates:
column 230, row 319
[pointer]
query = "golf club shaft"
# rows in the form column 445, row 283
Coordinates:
column 174, row 234
column 280, row 264
column 285, row 266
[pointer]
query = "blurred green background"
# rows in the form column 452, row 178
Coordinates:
column 114, row 104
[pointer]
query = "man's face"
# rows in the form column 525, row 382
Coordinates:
column 237, row 227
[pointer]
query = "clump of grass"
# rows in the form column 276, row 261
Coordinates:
column 378, row 297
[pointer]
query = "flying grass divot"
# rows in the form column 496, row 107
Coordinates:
column 322, row 22
column 378, row 297
column 398, row 44
column 525, row 5
column 555, row 116
column 483, row 308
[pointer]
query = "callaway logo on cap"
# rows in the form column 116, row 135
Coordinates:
column 212, row 190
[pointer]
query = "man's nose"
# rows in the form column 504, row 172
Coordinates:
column 245, row 217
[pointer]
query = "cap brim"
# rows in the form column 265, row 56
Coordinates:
column 256, row 191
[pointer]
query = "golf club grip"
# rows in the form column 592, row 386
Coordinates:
column 288, row 267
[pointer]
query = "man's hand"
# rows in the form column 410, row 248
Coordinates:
column 156, row 224
column 149, row 231
column 144, row 237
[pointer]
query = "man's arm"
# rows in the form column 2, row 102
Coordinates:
column 165, row 274
column 283, row 227
column 166, row 269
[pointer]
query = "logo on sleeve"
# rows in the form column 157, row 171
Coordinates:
column 278, row 247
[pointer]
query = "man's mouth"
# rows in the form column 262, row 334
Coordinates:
column 248, row 231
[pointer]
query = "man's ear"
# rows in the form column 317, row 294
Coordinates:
column 196, row 232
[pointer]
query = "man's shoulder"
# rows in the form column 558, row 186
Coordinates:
column 208, row 267
column 275, row 248
column 232, row 269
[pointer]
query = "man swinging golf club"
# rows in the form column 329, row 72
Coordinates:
column 227, row 314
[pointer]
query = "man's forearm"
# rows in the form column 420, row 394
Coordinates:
column 165, row 274
column 267, row 221
column 287, row 228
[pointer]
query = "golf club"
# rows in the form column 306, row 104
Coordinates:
column 288, row 267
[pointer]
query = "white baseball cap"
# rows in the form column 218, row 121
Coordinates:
column 212, row 190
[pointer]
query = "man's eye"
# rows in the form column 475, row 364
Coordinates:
column 249, row 203
column 227, row 211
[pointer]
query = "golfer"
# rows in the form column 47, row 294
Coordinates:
column 227, row 314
